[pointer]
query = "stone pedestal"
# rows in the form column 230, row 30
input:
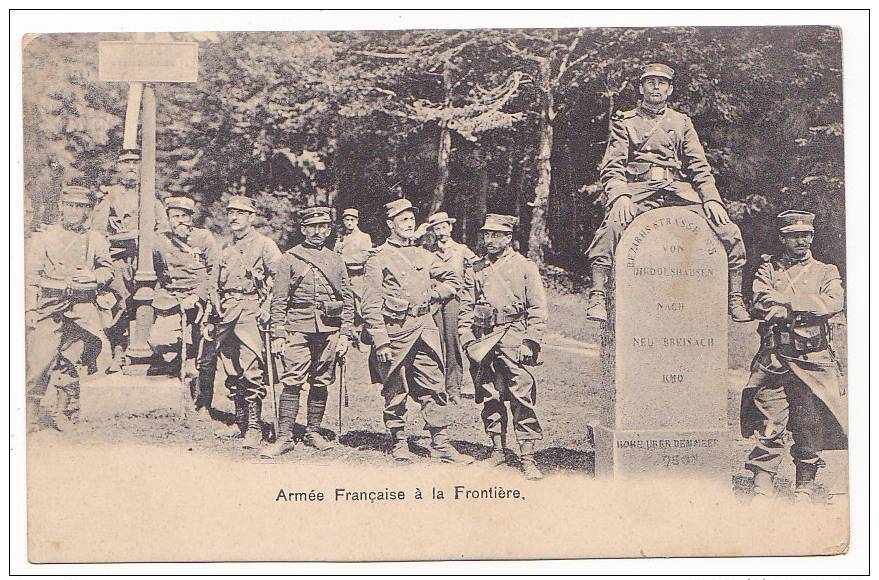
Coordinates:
column 664, row 353
column 106, row 396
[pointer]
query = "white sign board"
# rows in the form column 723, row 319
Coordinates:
column 165, row 62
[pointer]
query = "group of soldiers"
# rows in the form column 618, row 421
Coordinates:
column 290, row 317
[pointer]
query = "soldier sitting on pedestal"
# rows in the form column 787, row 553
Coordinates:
column 654, row 159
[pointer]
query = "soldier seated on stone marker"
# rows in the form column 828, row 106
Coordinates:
column 68, row 268
column 503, row 316
column 654, row 159
column 795, row 376
column 186, row 263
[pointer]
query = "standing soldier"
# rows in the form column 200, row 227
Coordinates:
column 402, row 281
column 654, row 159
column 795, row 375
column 457, row 258
column 354, row 246
column 248, row 264
column 116, row 217
column 312, row 317
column 186, row 263
column 503, row 316
column 68, row 267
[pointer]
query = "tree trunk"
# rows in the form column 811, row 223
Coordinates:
column 538, row 241
column 444, row 148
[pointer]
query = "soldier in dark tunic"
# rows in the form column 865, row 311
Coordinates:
column 312, row 318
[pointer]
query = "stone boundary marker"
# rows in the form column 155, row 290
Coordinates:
column 665, row 355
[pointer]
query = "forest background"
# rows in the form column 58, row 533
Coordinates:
column 469, row 121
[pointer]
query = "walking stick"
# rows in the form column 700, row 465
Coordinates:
column 343, row 390
column 270, row 363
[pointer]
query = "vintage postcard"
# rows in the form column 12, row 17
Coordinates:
column 400, row 295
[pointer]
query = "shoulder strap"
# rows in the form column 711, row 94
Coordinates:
column 322, row 268
column 653, row 129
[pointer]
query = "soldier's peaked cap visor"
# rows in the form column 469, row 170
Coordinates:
column 241, row 203
column 795, row 221
column 315, row 215
column 498, row 223
column 180, row 202
column 657, row 70
column 77, row 195
column 129, row 155
column 350, row 211
column 398, row 206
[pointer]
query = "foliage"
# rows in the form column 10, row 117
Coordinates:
column 358, row 118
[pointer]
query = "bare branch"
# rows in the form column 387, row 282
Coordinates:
column 391, row 55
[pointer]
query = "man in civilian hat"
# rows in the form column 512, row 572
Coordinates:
column 354, row 246
column 654, row 159
column 402, row 283
column 795, row 377
column 68, row 268
column 248, row 264
column 116, row 217
column 503, row 316
column 457, row 257
column 186, row 261
column 312, row 315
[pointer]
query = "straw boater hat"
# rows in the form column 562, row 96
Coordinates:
column 439, row 218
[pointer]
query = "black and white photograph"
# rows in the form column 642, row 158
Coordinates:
column 459, row 293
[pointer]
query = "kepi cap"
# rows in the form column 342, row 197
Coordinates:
column 315, row 215
column 496, row 222
column 439, row 218
column 794, row 220
column 398, row 206
column 77, row 194
column 129, row 155
column 657, row 70
column 180, row 202
column 352, row 212
column 242, row 203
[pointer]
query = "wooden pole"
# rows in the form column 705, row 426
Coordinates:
column 129, row 139
column 145, row 276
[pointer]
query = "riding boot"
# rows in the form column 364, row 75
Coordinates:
column 737, row 309
column 596, row 306
column 498, row 456
column 317, row 405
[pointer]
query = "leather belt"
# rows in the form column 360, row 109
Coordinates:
column 421, row 310
column 503, row 318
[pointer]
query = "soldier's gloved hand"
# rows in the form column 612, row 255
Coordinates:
column 623, row 210
column 342, row 346
column 528, row 353
column 277, row 345
column 383, row 353
column 717, row 213
column 776, row 313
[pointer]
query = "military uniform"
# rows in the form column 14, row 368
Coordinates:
column 354, row 249
column 655, row 158
column 312, row 307
column 246, row 269
column 795, row 376
column 66, row 336
column 457, row 258
column 116, row 217
column 402, row 282
column 503, row 305
column 186, row 271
